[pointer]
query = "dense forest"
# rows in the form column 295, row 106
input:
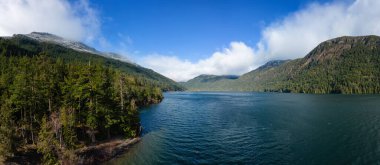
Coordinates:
column 348, row 65
column 53, row 106
column 21, row 44
column 210, row 83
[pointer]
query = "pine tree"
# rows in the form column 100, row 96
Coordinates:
column 47, row 143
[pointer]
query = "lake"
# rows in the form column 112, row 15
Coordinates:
column 258, row 128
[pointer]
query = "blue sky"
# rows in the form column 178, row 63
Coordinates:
column 182, row 39
column 191, row 29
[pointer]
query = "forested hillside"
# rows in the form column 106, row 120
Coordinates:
column 210, row 83
column 56, row 106
column 55, row 100
column 23, row 45
column 341, row 65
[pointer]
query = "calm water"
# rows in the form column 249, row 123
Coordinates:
column 259, row 128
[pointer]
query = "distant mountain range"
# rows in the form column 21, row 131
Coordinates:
column 341, row 65
column 37, row 43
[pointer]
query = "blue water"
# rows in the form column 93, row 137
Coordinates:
column 259, row 128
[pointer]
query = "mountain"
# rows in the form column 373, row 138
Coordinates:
column 47, row 37
column 340, row 65
column 209, row 82
column 272, row 64
column 37, row 43
column 212, row 78
column 51, row 38
column 225, row 82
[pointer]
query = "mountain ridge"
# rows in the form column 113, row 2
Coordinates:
column 76, row 45
column 21, row 44
column 348, row 64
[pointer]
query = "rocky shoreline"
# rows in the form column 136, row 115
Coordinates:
column 94, row 154
column 105, row 151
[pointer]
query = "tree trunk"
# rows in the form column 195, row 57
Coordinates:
column 31, row 125
column 60, row 138
column 108, row 133
column 121, row 94
column 93, row 139
column 22, row 124
column 91, row 133
column 49, row 104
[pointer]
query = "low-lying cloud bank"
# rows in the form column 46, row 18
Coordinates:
column 292, row 37
column 76, row 20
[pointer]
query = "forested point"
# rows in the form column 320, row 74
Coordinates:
column 51, row 107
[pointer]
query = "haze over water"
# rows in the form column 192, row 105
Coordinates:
column 259, row 128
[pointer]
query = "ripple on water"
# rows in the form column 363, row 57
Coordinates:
column 259, row 128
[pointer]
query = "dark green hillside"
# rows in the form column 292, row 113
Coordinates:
column 341, row 65
column 22, row 45
column 226, row 83
column 49, row 107
column 210, row 82
column 55, row 100
column 271, row 64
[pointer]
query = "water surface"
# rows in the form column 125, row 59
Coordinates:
column 259, row 128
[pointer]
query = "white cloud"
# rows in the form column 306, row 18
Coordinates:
column 77, row 21
column 237, row 59
column 300, row 32
column 291, row 37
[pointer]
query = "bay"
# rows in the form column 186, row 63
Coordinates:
column 258, row 128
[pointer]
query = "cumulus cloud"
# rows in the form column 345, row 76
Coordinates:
column 300, row 32
column 237, row 59
column 76, row 21
column 289, row 38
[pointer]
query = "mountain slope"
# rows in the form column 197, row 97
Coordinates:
column 340, row 65
column 226, row 83
column 57, row 47
column 50, row 108
column 47, row 37
column 51, row 38
column 209, row 82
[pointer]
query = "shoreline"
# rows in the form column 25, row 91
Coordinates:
column 94, row 154
column 103, row 152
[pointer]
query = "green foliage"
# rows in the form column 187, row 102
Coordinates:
column 61, row 105
column 348, row 65
column 209, row 83
column 47, row 143
column 7, row 144
column 20, row 45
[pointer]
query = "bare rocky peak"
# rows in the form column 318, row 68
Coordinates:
column 78, row 46
column 47, row 37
